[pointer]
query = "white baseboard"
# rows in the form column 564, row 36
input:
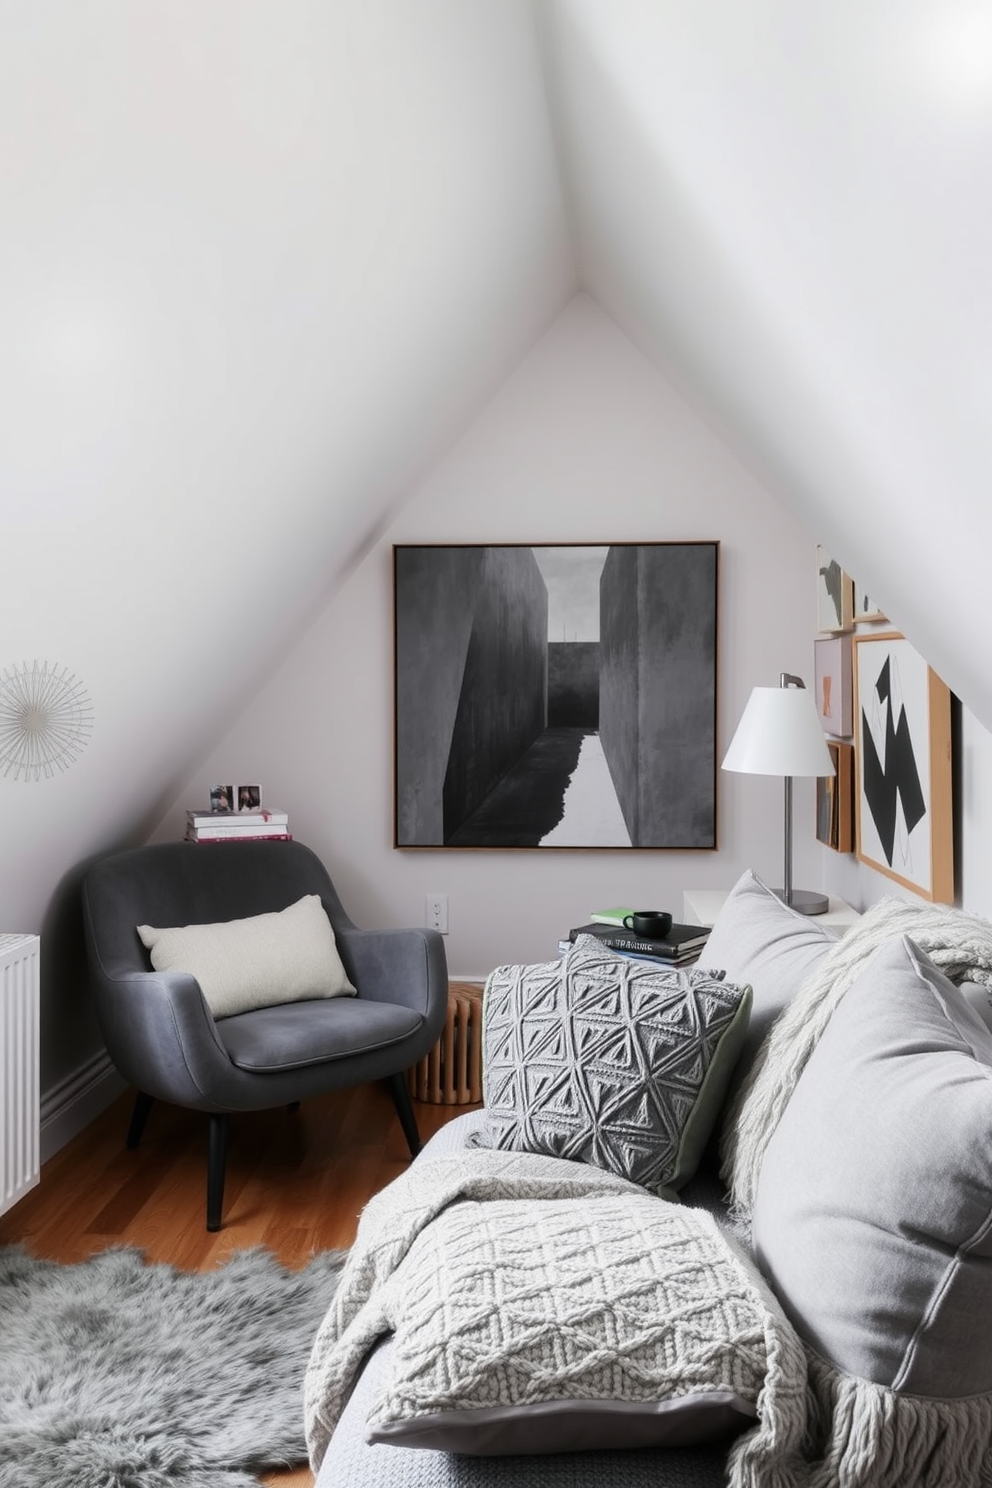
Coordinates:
column 69, row 1107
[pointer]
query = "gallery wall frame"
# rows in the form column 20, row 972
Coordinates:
column 834, row 594
column 835, row 800
column 865, row 608
column 555, row 695
column 833, row 689
column 903, row 752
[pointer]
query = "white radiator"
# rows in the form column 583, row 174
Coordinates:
column 20, row 1104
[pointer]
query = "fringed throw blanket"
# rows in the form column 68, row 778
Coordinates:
column 959, row 944
column 512, row 1280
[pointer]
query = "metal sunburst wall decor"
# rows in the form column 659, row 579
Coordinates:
column 45, row 720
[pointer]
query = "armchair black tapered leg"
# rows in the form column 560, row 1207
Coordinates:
column 139, row 1115
column 216, row 1162
column 400, row 1092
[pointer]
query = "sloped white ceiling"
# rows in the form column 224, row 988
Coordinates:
column 787, row 204
column 259, row 263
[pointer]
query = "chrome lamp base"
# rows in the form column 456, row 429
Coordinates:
column 804, row 901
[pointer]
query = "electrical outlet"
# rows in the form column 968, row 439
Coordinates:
column 436, row 912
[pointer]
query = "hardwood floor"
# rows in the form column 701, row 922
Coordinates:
column 296, row 1184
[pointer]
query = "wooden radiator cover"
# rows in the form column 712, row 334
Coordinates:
column 451, row 1074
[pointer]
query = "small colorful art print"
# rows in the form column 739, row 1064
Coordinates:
column 832, row 684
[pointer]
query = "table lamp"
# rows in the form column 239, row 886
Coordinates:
column 781, row 734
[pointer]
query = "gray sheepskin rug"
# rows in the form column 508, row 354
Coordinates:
column 119, row 1374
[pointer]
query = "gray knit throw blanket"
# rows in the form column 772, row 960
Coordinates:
column 510, row 1279
column 959, row 944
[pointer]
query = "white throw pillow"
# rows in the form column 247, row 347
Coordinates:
column 287, row 956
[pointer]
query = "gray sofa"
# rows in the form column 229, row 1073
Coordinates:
column 854, row 1135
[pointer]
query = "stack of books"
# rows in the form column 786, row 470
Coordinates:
column 680, row 947
column 237, row 826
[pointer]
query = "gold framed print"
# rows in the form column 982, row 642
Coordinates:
column 904, row 804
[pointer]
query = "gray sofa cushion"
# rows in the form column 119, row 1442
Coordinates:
column 618, row 1322
column 353, row 1462
column 605, row 1059
column 287, row 1037
column 873, row 1214
column 761, row 941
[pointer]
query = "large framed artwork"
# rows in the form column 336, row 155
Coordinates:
column 904, row 808
column 556, row 696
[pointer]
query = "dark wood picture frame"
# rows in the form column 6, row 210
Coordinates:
column 555, row 695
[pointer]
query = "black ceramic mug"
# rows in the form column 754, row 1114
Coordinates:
column 652, row 923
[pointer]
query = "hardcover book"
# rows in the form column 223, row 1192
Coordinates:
column 236, row 818
column 611, row 916
column 680, row 939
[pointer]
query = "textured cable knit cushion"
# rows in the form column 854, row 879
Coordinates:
column 286, row 956
column 608, row 1060
column 596, row 1323
column 537, row 1305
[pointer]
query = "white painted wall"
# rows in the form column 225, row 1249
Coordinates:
column 780, row 200
column 975, row 791
column 259, row 264
column 585, row 442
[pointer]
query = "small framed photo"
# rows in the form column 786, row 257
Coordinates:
column 249, row 797
column 222, row 798
column 865, row 608
column 834, row 692
column 834, row 594
column 835, row 800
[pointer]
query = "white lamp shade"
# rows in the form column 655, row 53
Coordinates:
column 779, row 734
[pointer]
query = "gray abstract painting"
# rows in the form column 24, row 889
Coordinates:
column 556, row 695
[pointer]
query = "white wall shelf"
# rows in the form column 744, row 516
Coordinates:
column 701, row 907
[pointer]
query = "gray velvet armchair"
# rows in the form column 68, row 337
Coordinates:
column 159, row 1030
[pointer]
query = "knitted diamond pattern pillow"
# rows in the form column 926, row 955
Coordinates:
column 608, row 1060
